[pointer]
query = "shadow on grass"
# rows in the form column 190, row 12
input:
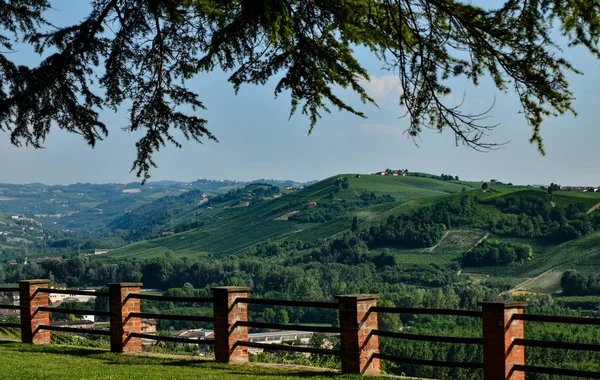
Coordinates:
column 109, row 358
column 56, row 349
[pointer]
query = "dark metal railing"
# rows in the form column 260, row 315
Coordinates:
column 96, row 313
column 426, row 362
column 270, row 302
column 556, row 371
column 74, row 292
column 172, row 317
column 285, row 347
column 74, row 330
column 557, row 319
column 427, row 338
column 10, row 325
column 557, row 345
column 279, row 326
column 10, row 307
column 172, row 339
column 405, row 310
column 153, row 297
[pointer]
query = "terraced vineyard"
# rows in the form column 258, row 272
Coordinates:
column 238, row 228
column 230, row 230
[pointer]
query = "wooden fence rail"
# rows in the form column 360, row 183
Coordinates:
column 502, row 324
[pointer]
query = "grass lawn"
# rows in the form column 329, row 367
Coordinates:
column 20, row 361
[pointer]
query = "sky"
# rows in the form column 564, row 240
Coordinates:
column 257, row 140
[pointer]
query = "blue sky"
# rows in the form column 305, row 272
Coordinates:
column 258, row 141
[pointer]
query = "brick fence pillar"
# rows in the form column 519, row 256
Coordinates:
column 226, row 313
column 356, row 324
column 31, row 318
column 499, row 332
column 121, row 324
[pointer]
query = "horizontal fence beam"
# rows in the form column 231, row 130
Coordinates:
column 74, row 330
column 269, row 302
column 73, row 292
column 11, row 325
column 557, row 319
column 428, row 338
column 434, row 363
column 172, row 317
column 557, row 371
column 9, row 290
column 153, row 297
column 404, row 310
column 10, row 307
column 96, row 313
column 558, row 345
column 172, row 339
column 285, row 347
column 279, row 326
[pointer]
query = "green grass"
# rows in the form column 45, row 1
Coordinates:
column 21, row 361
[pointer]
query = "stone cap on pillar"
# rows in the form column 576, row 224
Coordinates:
column 33, row 282
column 503, row 305
column 358, row 297
column 232, row 289
column 126, row 284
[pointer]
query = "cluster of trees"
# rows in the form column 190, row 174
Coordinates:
column 341, row 183
column 496, row 252
column 449, row 177
column 574, row 283
column 553, row 188
column 404, row 231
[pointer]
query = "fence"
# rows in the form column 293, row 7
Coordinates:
column 502, row 327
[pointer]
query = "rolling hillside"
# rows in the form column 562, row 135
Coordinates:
column 232, row 229
column 326, row 209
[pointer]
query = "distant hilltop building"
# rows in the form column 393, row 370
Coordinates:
column 101, row 251
column 584, row 189
column 395, row 173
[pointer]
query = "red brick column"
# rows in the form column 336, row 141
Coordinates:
column 226, row 313
column 31, row 319
column 499, row 332
column 356, row 323
column 121, row 325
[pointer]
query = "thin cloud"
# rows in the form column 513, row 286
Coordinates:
column 386, row 89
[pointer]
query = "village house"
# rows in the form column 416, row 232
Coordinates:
column 57, row 299
column 149, row 326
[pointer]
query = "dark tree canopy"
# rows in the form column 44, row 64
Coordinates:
column 139, row 54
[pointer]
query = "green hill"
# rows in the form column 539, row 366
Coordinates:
column 227, row 229
column 562, row 229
